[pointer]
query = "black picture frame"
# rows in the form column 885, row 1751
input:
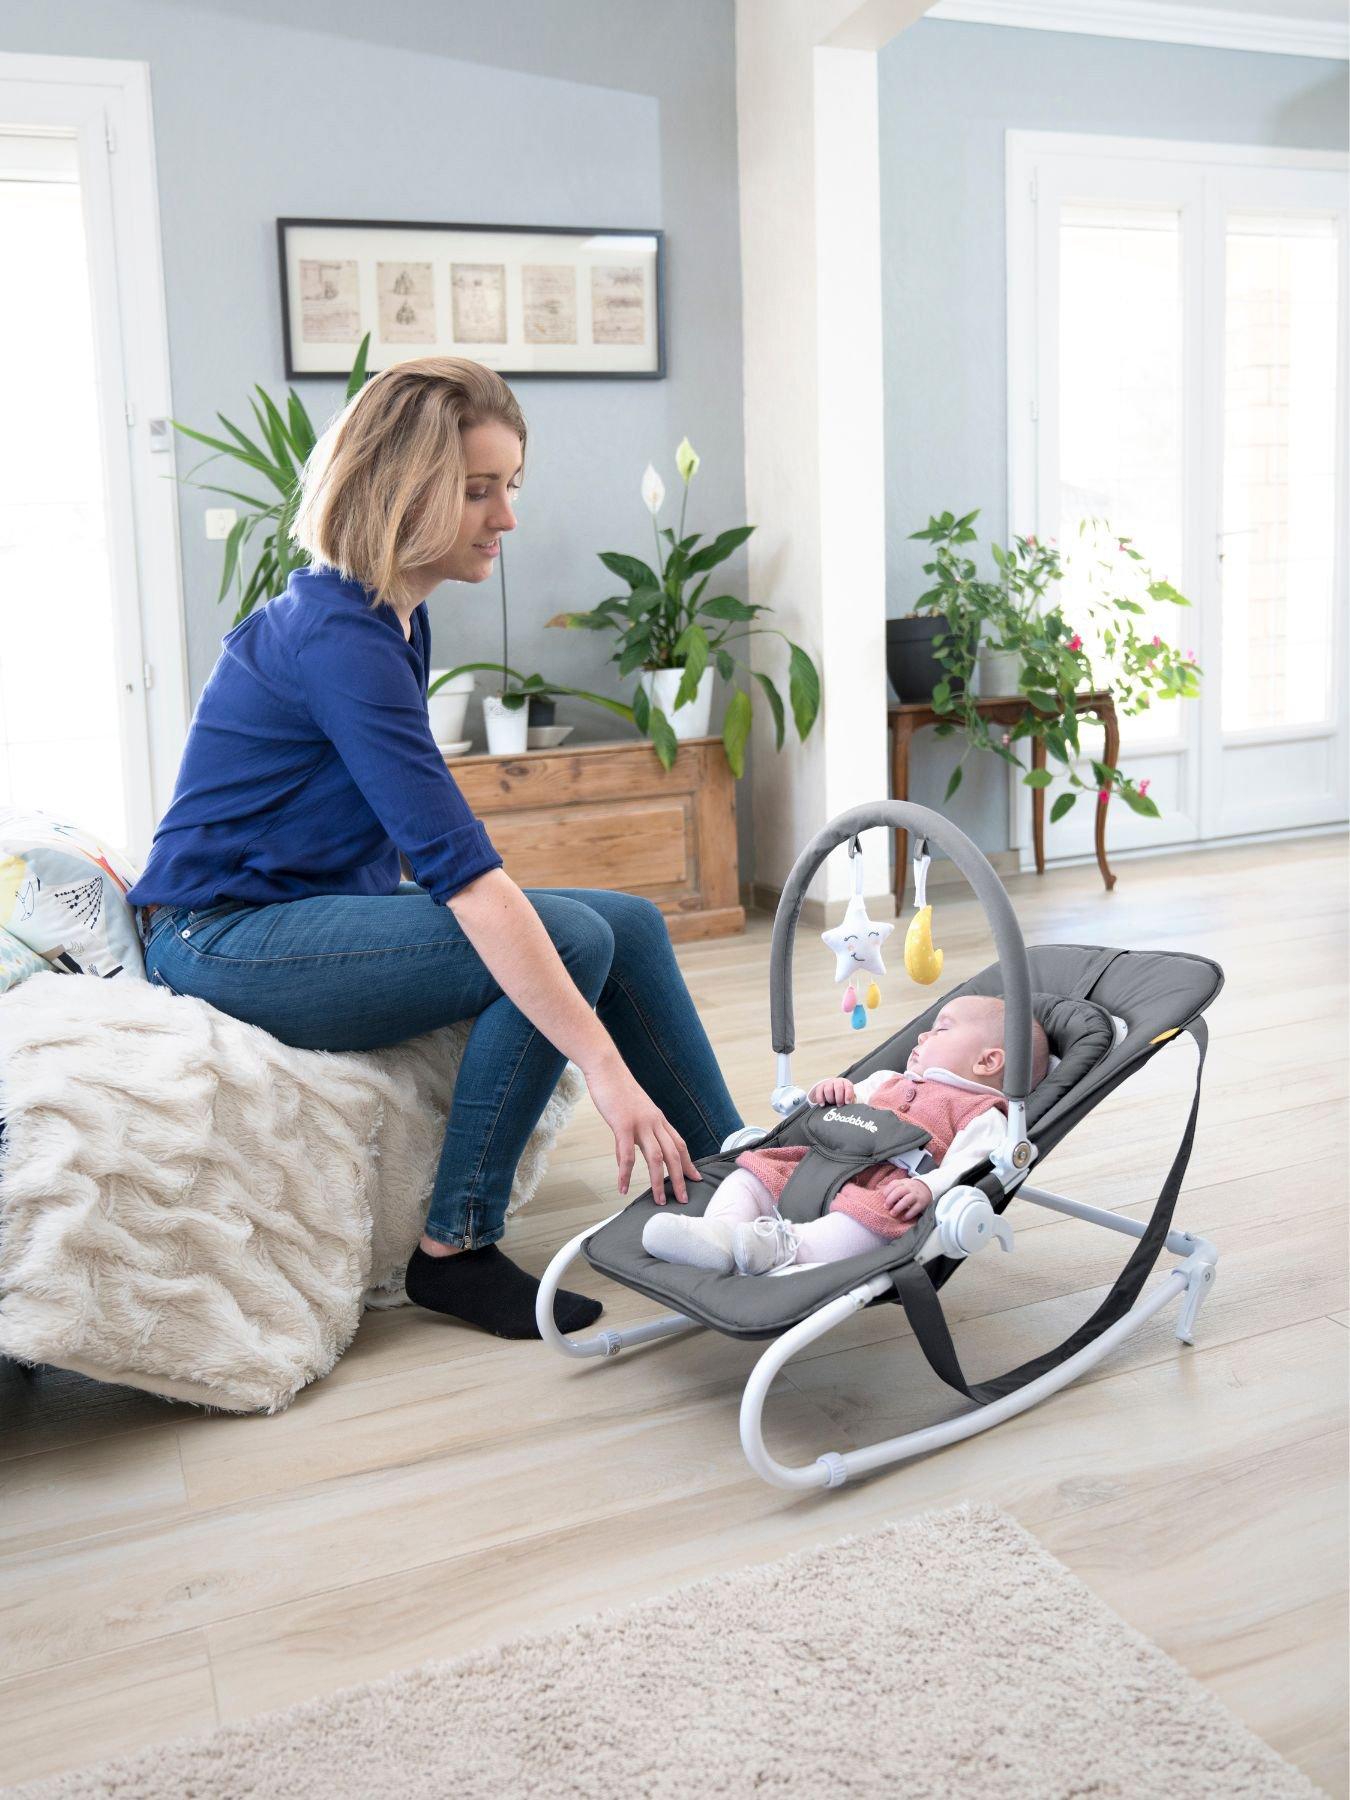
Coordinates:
column 383, row 352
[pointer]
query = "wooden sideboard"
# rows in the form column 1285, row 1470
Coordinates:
column 609, row 816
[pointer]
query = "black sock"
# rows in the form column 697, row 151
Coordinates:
column 484, row 1287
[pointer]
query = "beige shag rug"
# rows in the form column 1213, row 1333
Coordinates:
column 191, row 1207
column 948, row 1657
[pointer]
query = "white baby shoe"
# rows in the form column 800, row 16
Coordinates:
column 700, row 1243
column 763, row 1244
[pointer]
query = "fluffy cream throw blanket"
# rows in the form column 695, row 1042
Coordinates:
column 191, row 1207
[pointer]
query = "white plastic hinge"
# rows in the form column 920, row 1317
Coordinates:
column 787, row 1099
column 148, row 675
column 748, row 1134
column 967, row 1223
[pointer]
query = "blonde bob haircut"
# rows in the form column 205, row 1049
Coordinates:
column 382, row 491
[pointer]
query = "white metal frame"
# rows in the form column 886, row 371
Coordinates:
column 105, row 105
column 1189, row 1282
column 1206, row 180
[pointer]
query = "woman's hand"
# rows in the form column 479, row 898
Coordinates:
column 905, row 1196
column 834, row 1091
column 639, row 1124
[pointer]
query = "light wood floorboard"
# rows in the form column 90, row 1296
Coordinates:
column 162, row 1569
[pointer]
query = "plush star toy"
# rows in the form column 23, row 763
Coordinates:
column 856, row 942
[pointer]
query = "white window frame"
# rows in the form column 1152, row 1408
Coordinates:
column 1031, row 442
column 106, row 104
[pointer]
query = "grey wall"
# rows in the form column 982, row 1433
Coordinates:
column 948, row 92
column 571, row 112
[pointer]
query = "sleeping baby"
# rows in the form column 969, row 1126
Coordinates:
column 952, row 1086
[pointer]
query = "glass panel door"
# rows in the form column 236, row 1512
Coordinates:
column 1121, row 420
column 1176, row 367
column 1279, row 471
column 60, row 721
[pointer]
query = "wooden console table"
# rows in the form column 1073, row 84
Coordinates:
column 903, row 721
column 609, row 816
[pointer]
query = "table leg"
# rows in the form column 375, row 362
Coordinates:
column 900, row 736
column 1111, row 755
column 1038, row 806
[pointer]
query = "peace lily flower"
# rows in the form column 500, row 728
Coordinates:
column 686, row 461
column 653, row 490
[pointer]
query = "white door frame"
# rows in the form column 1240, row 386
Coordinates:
column 1215, row 171
column 106, row 104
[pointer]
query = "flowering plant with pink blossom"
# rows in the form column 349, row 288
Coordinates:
column 1025, row 607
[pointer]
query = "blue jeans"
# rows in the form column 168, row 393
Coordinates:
column 355, row 972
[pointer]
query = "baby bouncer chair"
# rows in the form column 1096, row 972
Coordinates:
column 1105, row 1013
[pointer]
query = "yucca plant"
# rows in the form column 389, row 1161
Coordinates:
column 286, row 443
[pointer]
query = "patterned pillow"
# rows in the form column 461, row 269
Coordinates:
column 63, row 896
column 17, row 962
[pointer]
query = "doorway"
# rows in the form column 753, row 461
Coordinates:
column 1176, row 323
column 93, row 692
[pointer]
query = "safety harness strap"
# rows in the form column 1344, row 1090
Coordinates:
column 914, row 1286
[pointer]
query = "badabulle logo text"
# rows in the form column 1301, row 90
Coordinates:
column 852, row 1119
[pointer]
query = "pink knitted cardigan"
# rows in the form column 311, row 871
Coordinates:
column 939, row 1107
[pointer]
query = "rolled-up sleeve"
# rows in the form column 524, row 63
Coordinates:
column 363, row 686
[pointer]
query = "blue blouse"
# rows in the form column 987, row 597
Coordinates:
column 310, row 762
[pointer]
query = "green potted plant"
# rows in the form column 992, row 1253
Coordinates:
column 1021, row 615
column 287, row 439
column 676, row 640
column 510, row 711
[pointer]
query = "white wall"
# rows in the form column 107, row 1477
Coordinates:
column 814, row 426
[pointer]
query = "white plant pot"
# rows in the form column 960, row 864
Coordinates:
column 998, row 672
column 507, row 726
column 690, row 720
column 448, row 707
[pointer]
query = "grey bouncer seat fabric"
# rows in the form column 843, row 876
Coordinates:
column 1105, row 1012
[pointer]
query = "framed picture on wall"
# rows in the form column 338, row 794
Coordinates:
column 541, row 300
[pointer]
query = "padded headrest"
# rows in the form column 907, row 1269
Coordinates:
column 1080, row 1033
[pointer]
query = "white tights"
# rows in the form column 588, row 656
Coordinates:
column 830, row 1238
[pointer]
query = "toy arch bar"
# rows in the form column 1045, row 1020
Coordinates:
column 922, row 822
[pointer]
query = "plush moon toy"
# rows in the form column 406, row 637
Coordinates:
column 922, row 962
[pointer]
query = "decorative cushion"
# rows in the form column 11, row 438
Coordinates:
column 63, row 895
column 17, row 962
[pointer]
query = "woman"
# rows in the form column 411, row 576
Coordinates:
column 272, row 887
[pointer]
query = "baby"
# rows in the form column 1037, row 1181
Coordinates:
column 952, row 1085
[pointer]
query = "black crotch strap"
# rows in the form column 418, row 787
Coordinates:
column 842, row 1141
column 915, row 1289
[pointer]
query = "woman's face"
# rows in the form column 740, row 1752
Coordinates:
column 492, row 464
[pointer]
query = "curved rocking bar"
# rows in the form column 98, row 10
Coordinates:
column 606, row 1342
column 834, row 1468
column 902, row 815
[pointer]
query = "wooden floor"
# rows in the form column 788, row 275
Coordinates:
column 163, row 1569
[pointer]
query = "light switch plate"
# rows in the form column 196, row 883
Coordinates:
column 220, row 521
